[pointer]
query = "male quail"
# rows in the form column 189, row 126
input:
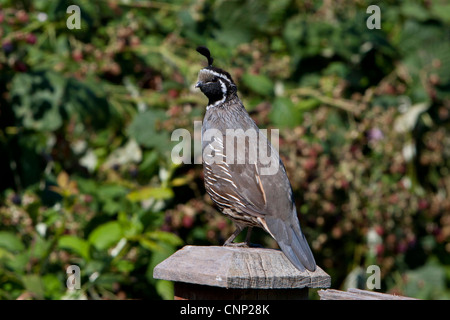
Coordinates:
column 240, row 190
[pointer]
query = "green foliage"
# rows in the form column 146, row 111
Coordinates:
column 284, row 113
column 86, row 118
column 77, row 245
column 258, row 83
column 143, row 129
column 10, row 242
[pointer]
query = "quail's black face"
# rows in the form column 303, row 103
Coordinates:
column 216, row 84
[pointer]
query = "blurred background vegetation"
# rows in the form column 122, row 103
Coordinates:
column 86, row 118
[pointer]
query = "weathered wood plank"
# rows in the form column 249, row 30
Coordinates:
column 357, row 294
column 239, row 268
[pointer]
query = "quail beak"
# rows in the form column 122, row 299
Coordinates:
column 199, row 84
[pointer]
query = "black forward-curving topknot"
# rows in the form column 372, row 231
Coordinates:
column 205, row 52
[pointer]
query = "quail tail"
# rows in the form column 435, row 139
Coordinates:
column 293, row 243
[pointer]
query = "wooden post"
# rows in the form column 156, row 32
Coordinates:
column 234, row 273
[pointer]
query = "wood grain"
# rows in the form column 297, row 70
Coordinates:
column 239, row 268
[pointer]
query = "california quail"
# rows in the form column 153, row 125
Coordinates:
column 239, row 188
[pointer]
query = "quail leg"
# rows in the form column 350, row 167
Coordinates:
column 246, row 244
column 229, row 242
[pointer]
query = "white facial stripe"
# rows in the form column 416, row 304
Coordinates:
column 224, row 87
column 215, row 104
column 218, row 74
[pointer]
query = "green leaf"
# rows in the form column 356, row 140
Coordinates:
column 37, row 99
column 239, row 21
column 107, row 280
column 106, row 235
column 165, row 289
column 125, row 266
column 19, row 263
column 145, row 130
column 164, row 251
column 284, row 113
column 426, row 282
column 233, row 36
column 40, row 248
column 94, row 266
column 149, row 165
column 164, row 236
column 415, row 11
column 258, row 83
column 149, row 244
column 10, row 241
column 295, row 29
column 442, row 11
column 131, row 226
column 111, row 191
column 53, row 286
column 308, row 104
column 33, row 283
column 77, row 245
column 5, row 254
column 149, row 192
